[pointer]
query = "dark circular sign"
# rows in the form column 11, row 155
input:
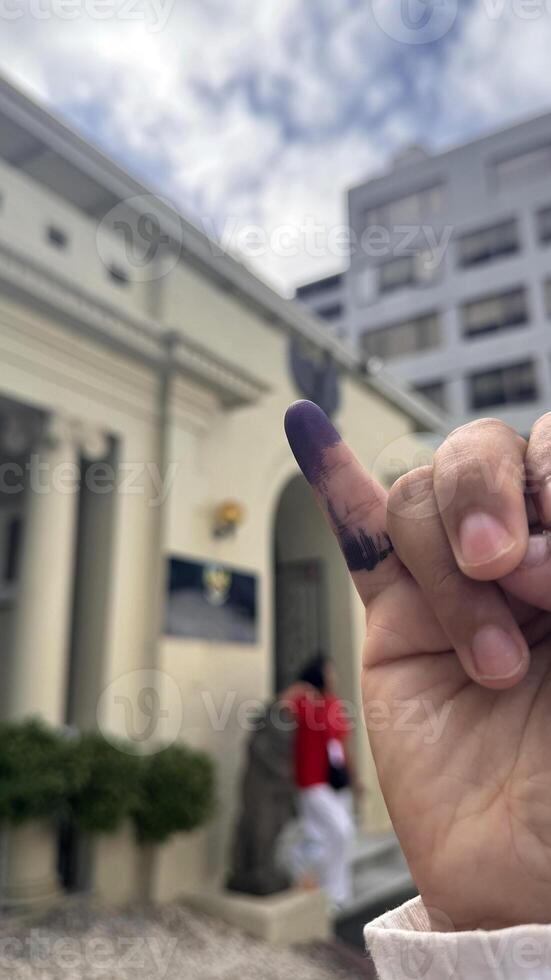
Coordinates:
column 315, row 374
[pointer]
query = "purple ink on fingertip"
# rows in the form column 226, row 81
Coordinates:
column 310, row 433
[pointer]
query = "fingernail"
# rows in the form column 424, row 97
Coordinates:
column 538, row 551
column 482, row 538
column 496, row 655
column 310, row 433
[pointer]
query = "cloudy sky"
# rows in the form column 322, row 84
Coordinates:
column 261, row 112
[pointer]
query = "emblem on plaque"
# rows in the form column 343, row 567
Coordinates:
column 217, row 582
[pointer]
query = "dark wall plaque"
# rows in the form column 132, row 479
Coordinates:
column 209, row 601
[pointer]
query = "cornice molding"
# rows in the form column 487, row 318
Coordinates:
column 52, row 292
column 138, row 336
column 36, row 343
column 233, row 387
column 191, row 406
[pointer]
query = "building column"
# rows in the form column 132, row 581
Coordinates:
column 42, row 616
column 93, row 575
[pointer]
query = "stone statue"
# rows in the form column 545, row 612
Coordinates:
column 267, row 803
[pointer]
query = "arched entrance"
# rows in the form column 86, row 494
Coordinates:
column 312, row 591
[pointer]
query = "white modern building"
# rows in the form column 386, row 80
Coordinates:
column 154, row 530
column 449, row 283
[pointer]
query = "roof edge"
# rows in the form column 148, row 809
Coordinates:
column 219, row 266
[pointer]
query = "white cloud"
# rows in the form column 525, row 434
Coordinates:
column 261, row 112
column 497, row 69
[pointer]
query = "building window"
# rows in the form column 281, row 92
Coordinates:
column 435, row 392
column 401, row 339
column 11, row 525
column 365, row 286
column 547, row 291
column 495, row 313
column 118, row 275
column 544, row 226
column 490, row 243
column 523, row 168
column 332, row 312
column 320, row 286
column 13, row 544
column 56, row 236
column 409, row 209
column 407, row 270
column 510, row 385
column 397, row 274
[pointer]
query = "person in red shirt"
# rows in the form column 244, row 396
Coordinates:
column 323, row 771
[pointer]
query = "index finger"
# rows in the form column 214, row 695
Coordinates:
column 352, row 501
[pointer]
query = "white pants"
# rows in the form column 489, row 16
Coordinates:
column 327, row 832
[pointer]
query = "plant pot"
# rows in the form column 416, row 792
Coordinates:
column 120, row 868
column 28, row 865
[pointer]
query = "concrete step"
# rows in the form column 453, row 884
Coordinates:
column 373, row 846
column 379, row 872
column 290, row 917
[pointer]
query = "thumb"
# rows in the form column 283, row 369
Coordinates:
column 353, row 503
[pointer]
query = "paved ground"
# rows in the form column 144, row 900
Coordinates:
column 86, row 942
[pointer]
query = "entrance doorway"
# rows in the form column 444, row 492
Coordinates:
column 312, row 591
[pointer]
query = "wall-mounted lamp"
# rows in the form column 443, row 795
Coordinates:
column 228, row 516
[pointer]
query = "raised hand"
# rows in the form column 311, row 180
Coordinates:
column 457, row 591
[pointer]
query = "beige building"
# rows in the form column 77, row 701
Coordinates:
column 143, row 381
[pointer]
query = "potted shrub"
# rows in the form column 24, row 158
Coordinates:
column 177, row 793
column 37, row 773
column 107, row 790
column 98, row 807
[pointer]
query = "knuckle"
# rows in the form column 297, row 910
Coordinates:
column 460, row 466
column 354, row 502
column 450, row 458
column 411, row 491
column 480, row 426
column 445, row 580
column 486, row 456
column 336, row 467
column 544, row 422
column 359, row 512
column 469, row 443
